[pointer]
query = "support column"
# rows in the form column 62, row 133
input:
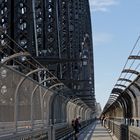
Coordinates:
column 51, row 132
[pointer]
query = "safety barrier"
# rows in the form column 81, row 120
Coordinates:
column 134, row 133
column 61, row 131
column 64, row 132
column 33, row 102
column 67, row 131
column 124, row 130
column 27, row 135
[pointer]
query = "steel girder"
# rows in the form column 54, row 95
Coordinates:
column 54, row 30
column 5, row 25
column 22, row 31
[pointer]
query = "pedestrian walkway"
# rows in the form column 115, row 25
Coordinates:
column 100, row 133
column 95, row 132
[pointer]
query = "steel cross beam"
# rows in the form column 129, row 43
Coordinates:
column 121, row 85
column 134, row 57
column 130, row 71
column 124, row 79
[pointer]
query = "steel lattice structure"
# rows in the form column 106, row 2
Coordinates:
column 58, row 34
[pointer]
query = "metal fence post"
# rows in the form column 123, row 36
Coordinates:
column 51, row 133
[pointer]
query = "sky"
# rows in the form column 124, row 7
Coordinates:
column 115, row 29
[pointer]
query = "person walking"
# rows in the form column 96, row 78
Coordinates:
column 77, row 127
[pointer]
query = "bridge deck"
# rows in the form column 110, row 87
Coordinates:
column 95, row 132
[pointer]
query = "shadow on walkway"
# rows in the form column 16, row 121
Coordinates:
column 95, row 132
column 100, row 133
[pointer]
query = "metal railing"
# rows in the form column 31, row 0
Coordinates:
column 124, row 129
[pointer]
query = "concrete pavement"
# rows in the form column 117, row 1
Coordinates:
column 95, row 132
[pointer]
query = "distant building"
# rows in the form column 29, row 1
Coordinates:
column 98, row 109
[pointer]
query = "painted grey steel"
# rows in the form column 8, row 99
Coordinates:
column 35, row 31
column 32, row 95
column 69, row 54
column 16, row 93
